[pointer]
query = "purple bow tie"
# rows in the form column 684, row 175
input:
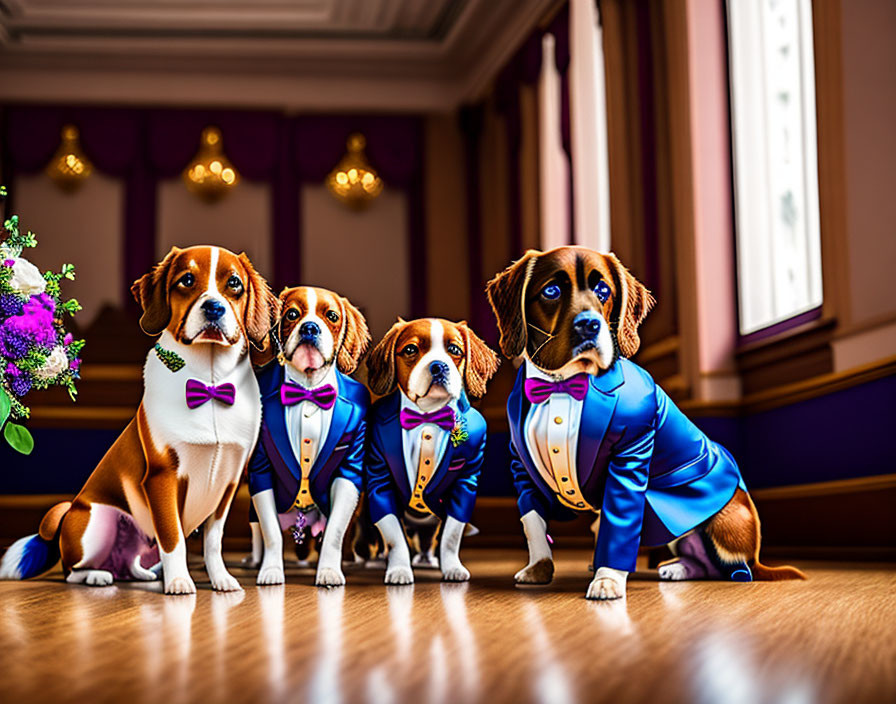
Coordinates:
column 323, row 396
column 198, row 393
column 539, row 391
column 410, row 419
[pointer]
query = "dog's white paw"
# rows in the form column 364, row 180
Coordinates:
column 225, row 582
column 329, row 577
column 604, row 589
column 400, row 574
column 541, row 572
column 270, row 575
column 673, row 572
column 457, row 573
column 94, row 578
column 180, row 585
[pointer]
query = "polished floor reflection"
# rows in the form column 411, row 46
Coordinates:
column 832, row 638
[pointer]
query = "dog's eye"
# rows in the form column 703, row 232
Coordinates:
column 454, row 350
column 410, row 350
column 186, row 280
column 602, row 291
column 292, row 314
column 551, row 292
column 332, row 316
column 234, row 283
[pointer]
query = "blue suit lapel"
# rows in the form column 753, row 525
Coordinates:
column 390, row 432
column 275, row 419
column 597, row 412
column 517, row 410
column 342, row 412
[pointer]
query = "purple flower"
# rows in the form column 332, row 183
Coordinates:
column 10, row 304
column 75, row 364
column 12, row 344
column 67, row 340
column 19, row 381
column 34, row 326
column 9, row 262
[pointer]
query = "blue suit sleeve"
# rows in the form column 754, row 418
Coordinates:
column 529, row 497
column 462, row 498
column 380, row 488
column 261, row 474
column 622, row 512
column 352, row 466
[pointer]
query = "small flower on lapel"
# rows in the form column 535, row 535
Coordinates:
column 459, row 434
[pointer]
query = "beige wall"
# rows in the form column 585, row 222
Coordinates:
column 80, row 228
column 362, row 256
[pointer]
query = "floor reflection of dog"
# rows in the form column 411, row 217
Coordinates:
column 591, row 431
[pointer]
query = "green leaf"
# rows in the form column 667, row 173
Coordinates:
column 5, row 406
column 19, row 438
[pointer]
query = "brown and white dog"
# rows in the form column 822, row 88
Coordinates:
column 426, row 444
column 591, row 431
column 308, row 466
column 177, row 464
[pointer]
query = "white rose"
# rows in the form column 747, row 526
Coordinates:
column 57, row 362
column 26, row 278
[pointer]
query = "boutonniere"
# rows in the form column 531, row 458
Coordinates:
column 459, row 434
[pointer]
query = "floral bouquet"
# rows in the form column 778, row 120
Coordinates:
column 35, row 350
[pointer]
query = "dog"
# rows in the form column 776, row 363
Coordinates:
column 591, row 431
column 426, row 444
column 177, row 464
column 308, row 466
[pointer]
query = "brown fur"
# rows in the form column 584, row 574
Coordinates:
column 480, row 364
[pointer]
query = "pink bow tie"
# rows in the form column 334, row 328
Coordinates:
column 410, row 419
column 323, row 396
column 198, row 393
column 539, row 391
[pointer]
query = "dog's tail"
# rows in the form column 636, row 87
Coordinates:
column 764, row 573
column 35, row 554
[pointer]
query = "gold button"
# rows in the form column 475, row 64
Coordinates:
column 565, row 479
column 555, row 450
column 427, row 437
column 307, row 441
column 307, row 459
column 420, row 505
column 425, row 461
column 558, row 420
column 304, row 491
column 422, row 479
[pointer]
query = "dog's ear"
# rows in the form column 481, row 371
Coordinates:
column 151, row 292
column 381, row 362
column 355, row 339
column 505, row 297
column 262, row 306
column 480, row 363
column 633, row 304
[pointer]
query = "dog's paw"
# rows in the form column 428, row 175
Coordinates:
column 541, row 572
column 180, row 585
column 270, row 575
column 329, row 577
column 225, row 582
column 605, row 589
column 673, row 572
column 457, row 573
column 94, row 578
column 399, row 575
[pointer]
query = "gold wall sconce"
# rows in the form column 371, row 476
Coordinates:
column 69, row 167
column 210, row 175
column 354, row 181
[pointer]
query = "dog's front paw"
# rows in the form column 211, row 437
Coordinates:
column 605, row 589
column 180, row 585
column 456, row 573
column 400, row 574
column 225, row 582
column 272, row 574
column 673, row 572
column 329, row 577
column 541, row 572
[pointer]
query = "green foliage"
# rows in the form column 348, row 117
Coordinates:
column 19, row 438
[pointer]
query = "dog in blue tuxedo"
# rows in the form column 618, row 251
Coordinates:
column 426, row 443
column 308, row 463
column 592, row 432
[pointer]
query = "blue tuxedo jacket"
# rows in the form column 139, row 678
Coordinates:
column 650, row 470
column 452, row 489
column 273, row 464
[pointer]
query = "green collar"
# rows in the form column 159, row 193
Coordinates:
column 170, row 359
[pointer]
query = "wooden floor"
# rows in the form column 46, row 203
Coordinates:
column 830, row 639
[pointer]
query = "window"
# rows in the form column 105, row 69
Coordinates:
column 772, row 80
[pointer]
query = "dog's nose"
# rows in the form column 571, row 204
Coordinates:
column 214, row 310
column 586, row 324
column 309, row 329
column 438, row 369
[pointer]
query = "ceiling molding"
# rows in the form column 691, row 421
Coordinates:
column 395, row 55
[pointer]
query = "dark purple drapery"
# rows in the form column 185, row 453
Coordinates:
column 143, row 146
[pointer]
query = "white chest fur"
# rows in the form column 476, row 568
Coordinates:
column 212, row 441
